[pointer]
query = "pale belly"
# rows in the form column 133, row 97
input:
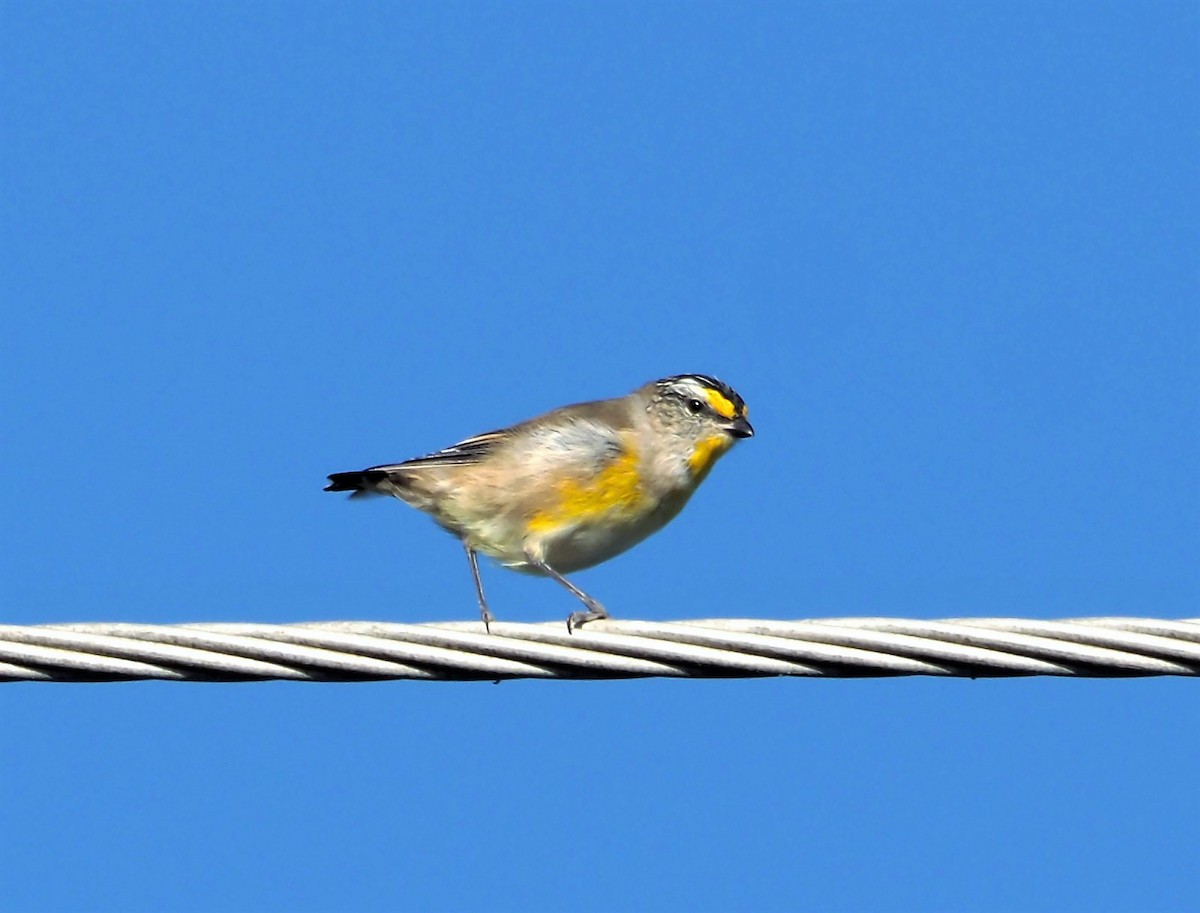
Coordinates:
column 588, row 544
column 582, row 544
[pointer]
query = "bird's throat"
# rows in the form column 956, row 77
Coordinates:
column 708, row 451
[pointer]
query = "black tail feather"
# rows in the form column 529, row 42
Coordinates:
column 363, row 480
column 346, row 481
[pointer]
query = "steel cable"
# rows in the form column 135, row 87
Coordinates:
column 713, row 648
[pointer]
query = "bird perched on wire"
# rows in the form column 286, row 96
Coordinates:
column 573, row 487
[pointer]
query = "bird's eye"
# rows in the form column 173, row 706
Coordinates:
column 695, row 406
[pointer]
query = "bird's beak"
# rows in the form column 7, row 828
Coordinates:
column 739, row 427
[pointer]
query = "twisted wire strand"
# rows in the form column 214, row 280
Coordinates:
column 712, row 648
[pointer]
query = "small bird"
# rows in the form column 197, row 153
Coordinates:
column 573, row 487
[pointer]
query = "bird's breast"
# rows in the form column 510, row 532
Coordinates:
column 615, row 491
column 594, row 518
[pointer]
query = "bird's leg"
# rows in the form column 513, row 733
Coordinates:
column 594, row 611
column 484, row 612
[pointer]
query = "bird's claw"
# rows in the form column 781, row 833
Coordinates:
column 594, row 613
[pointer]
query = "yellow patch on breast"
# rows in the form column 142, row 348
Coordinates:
column 706, row 454
column 616, row 488
column 720, row 404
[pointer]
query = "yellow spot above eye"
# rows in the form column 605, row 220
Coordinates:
column 616, row 487
column 706, row 454
column 720, row 404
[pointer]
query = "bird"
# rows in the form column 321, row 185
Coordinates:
column 572, row 487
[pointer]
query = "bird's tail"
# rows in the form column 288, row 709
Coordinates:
column 381, row 480
column 348, row 481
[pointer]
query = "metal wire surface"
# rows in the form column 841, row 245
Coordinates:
column 714, row 648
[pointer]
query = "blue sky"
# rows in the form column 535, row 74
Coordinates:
column 947, row 253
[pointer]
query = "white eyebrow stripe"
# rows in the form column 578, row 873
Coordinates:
column 699, row 385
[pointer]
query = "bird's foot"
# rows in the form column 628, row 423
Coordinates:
column 594, row 612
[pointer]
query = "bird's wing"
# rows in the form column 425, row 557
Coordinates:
column 472, row 450
column 390, row 478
